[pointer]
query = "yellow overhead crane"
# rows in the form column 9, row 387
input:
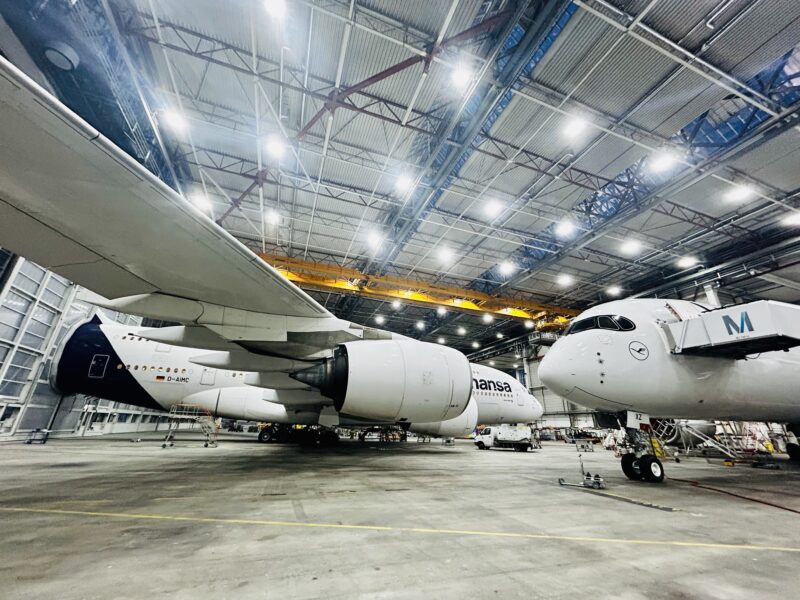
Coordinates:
column 333, row 278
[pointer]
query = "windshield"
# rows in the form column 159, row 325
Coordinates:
column 608, row 322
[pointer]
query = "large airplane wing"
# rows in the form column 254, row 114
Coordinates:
column 73, row 202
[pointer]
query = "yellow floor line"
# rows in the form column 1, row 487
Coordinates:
column 421, row 530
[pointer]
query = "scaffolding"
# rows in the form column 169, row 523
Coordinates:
column 193, row 415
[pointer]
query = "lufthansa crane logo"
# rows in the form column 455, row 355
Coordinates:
column 638, row 350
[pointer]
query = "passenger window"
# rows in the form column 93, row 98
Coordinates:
column 605, row 322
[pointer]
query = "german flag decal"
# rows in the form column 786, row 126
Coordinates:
column 159, row 378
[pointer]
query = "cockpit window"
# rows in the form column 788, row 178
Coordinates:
column 608, row 322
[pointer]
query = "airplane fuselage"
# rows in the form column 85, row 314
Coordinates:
column 619, row 368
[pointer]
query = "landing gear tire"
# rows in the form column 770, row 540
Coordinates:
column 630, row 466
column 793, row 450
column 265, row 435
column 651, row 468
column 481, row 446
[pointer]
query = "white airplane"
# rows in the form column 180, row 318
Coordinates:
column 111, row 361
column 76, row 204
column 643, row 358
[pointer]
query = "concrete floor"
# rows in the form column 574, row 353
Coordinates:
column 105, row 518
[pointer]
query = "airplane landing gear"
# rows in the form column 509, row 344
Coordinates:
column 637, row 463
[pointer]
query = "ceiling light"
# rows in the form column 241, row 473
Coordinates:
column 441, row 311
column 272, row 217
column 529, row 324
column 396, row 304
column 487, row 318
column 420, row 325
column 493, row 208
column 445, row 254
column 374, row 239
column 516, row 366
column 574, row 127
column 403, row 183
column 631, row 247
column 462, row 331
column 461, row 76
column 507, row 268
column 685, row 262
column 276, row 8
column 457, row 301
column 275, row 147
column 565, row 228
column 739, row 193
column 518, row 356
column 440, row 340
column 200, row 200
column 499, row 336
column 613, row 290
column 380, row 320
column 661, row 161
column 791, row 219
column 175, row 120
column 491, row 363
column 564, row 280
column 476, row 345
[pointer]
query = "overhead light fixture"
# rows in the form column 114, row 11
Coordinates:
column 440, row 340
column 457, row 301
column 175, row 120
column 420, row 325
column 445, row 254
column 661, row 161
column 441, row 311
column 476, row 345
column 685, row 262
column 564, row 280
column 492, row 208
column 461, row 76
column 613, row 290
column 575, row 127
column 461, row 331
column 272, row 217
column 500, row 336
column 491, row 363
column 403, row 183
column 507, row 268
column 380, row 319
column 276, row 8
column 518, row 356
column 739, row 193
column 565, row 228
column 374, row 239
column 516, row 366
column 631, row 247
column 791, row 219
column 200, row 200
column 396, row 304
column 275, row 147
column 487, row 318
column 529, row 324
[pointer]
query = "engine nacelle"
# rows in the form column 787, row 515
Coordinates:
column 394, row 380
column 461, row 426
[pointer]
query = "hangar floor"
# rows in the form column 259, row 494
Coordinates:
column 105, row 518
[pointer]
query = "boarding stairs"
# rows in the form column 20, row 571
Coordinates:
column 736, row 331
column 191, row 414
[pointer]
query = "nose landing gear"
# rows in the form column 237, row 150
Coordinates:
column 638, row 463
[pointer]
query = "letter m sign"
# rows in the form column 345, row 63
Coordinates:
column 743, row 326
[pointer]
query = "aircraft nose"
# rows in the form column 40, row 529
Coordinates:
column 555, row 371
column 538, row 409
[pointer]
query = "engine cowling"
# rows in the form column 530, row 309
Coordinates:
column 461, row 426
column 394, row 380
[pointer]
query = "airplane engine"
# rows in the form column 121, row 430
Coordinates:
column 461, row 426
column 394, row 380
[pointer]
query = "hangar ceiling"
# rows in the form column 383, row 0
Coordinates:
column 550, row 153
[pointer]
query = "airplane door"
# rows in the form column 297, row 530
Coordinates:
column 208, row 376
column 520, row 398
column 97, row 368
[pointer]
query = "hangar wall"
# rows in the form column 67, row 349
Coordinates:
column 37, row 308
